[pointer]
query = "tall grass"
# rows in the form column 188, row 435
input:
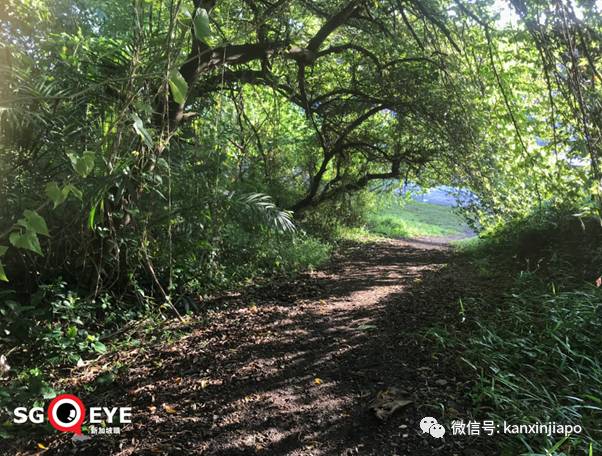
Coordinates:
column 537, row 360
column 536, row 350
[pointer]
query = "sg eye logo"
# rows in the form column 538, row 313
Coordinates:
column 66, row 413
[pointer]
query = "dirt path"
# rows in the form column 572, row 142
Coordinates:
column 292, row 369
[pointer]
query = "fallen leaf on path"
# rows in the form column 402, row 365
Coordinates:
column 169, row 409
column 388, row 402
column 78, row 438
column 41, row 446
column 317, row 381
column 204, row 383
column 367, row 327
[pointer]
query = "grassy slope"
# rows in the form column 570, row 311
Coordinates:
column 414, row 219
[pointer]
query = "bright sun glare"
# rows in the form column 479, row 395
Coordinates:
column 509, row 17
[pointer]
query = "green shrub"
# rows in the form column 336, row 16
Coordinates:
column 55, row 328
column 332, row 218
column 260, row 253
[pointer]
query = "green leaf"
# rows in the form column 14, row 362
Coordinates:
column 179, row 87
column 71, row 332
column 202, row 30
column 3, row 273
column 54, row 194
column 91, row 217
column 48, row 392
column 185, row 13
column 3, row 250
column 82, row 165
column 72, row 189
column 27, row 240
column 99, row 347
column 141, row 131
column 58, row 196
column 36, row 222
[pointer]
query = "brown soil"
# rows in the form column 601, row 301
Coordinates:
column 292, row 368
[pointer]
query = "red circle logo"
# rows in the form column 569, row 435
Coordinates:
column 66, row 413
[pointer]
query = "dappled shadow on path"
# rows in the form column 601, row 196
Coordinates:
column 290, row 369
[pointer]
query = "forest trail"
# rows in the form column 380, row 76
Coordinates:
column 292, row 368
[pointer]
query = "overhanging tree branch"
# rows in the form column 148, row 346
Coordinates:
column 329, row 153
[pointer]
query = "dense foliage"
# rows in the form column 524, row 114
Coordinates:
column 156, row 150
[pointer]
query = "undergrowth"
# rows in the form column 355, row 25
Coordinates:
column 535, row 352
column 60, row 326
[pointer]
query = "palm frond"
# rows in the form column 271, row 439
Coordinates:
column 262, row 205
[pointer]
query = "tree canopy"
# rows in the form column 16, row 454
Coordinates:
column 132, row 123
